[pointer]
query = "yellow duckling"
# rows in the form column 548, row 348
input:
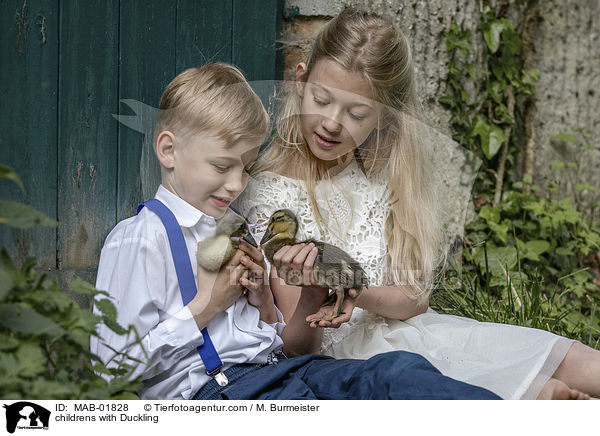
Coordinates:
column 215, row 251
column 333, row 268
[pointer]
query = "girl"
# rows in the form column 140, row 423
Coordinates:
column 348, row 161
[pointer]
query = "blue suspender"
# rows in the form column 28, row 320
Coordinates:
column 187, row 283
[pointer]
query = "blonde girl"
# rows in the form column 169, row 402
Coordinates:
column 348, row 160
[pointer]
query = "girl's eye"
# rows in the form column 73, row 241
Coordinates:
column 319, row 101
column 357, row 117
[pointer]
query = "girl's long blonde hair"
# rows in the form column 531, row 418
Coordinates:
column 372, row 46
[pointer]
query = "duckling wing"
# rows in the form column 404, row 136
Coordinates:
column 213, row 252
column 334, row 267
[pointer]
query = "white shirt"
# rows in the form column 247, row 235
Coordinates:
column 136, row 268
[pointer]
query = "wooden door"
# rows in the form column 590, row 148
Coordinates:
column 65, row 69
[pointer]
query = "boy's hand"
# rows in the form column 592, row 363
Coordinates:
column 217, row 290
column 256, row 282
column 294, row 264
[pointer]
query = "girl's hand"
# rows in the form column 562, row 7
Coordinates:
column 348, row 306
column 294, row 264
column 256, row 283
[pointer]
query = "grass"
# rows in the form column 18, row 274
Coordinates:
column 524, row 303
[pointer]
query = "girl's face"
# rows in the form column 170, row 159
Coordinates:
column 337, row 113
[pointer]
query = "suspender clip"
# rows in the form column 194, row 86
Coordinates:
column 219, row 376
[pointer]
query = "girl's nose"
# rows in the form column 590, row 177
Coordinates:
column 331, row 125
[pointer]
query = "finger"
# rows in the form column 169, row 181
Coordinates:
column 289, row 255
column 249, row 284
column 256, row 271
column 354, row 293
column 299, row 259
column 311, row 257
column 238, row 272
column 235, row 260
column 251, row 251
column 279, row 255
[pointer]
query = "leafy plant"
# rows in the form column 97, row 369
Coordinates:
column 531, row 257
column 44, row 334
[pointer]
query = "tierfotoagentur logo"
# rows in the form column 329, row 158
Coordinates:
column 26, row 415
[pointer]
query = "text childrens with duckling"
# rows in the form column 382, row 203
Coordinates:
column 212, row 335
column 348, row 159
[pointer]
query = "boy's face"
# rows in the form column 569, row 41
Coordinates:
column 208, row 175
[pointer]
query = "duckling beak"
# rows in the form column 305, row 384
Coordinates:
column 249, row 239
column 267, row 236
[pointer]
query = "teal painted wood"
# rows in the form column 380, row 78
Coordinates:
column 87, row 141
column 58, row 131
column 256, row 26
column 254, row 35
column 204, row 31
column 147, row 53
column 28, row 55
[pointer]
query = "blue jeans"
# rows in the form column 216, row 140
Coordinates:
column 398, row 375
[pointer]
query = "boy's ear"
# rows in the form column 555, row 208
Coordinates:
column 301, row 76
column 165, row 149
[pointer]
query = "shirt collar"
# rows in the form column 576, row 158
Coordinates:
column 186, row 214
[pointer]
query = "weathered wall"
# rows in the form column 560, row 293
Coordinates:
column 567, row 59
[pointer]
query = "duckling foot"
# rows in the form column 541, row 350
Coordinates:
column 330, row 309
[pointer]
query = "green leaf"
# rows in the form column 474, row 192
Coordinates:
column 9, row 173
column 559, row 165
column 496, row 90
column 31, row 360
column 492, row 35
column 490, row 215
column 501, row 260
column 564, row 251
column 24, row 320
column 5, row 283
column 492, row 137
column 500, row 230
column 22, row 216
column 538, row 246
column 564, row 137
column 110, row 315
column 84, row 288
column 8, row 342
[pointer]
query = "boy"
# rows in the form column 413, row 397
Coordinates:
column 208, row 132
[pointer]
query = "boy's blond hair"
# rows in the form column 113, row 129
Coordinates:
column 215, row 97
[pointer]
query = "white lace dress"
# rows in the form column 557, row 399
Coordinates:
column 514, row 362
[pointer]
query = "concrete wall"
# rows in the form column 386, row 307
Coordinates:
column 567, row 59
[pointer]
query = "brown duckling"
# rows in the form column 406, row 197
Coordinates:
column 333, row 268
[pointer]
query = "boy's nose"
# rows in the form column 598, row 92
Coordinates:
column 235, row 182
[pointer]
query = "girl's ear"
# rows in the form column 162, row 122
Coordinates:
column 165, row 149
column 301, row 76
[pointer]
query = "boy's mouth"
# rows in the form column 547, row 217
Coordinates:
column 220, row 201
column 325, row 142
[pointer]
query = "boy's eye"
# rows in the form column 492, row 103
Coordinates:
column 220, row 168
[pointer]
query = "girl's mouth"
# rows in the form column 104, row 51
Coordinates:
column 220, row 202
column 324, row 142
